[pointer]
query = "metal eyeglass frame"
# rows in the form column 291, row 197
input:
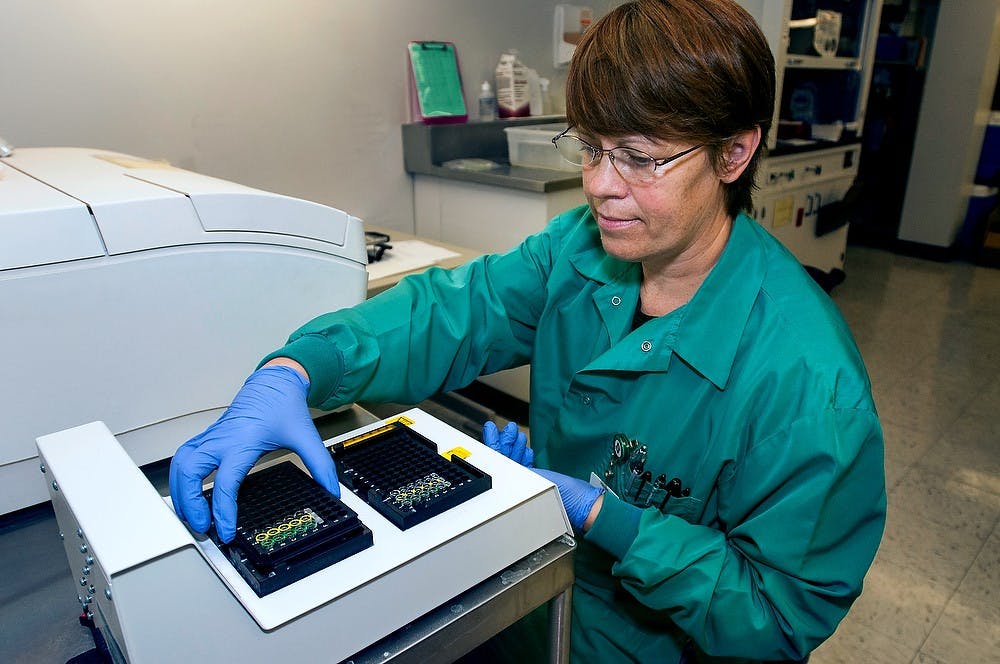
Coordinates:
column 598, row 153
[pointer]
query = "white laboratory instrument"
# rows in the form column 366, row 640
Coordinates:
column 142, row 295
column 799, row 203
column 159, row 594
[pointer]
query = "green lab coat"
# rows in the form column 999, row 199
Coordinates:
column 753, row 395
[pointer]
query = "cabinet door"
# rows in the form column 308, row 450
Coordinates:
column 491, row 219
column 790, row 215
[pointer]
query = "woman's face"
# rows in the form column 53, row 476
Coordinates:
column 673, row 216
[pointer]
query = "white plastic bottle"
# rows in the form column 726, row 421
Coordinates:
column 512, row 86
column 487, row 103
column 535, row 106
column 547, row 106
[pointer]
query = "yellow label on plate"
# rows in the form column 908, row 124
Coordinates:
column 392, row 424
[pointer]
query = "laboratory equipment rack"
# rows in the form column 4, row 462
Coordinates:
column 400, row 474
column 288, row 527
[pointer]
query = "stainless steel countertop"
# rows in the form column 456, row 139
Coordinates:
column 427, row 147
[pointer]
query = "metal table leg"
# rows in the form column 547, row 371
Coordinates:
column 560, row 612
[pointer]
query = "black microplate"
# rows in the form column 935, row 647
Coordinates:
column 401, row 475
column 288, row 527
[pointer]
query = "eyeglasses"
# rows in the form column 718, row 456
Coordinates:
column 633, row 165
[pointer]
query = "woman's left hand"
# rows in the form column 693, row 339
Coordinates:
column 578, row 497
column 511, row 442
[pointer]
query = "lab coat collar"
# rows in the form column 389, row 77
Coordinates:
column 597, row 265
column 618, row 295
column 709, row 332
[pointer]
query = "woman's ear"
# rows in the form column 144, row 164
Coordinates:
column 737, row 154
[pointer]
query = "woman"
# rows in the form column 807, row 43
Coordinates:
column 680, row 356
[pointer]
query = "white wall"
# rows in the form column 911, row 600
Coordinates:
column 301, row 97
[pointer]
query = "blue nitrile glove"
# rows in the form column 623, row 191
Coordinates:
column 510, row 442
column 269, row 412
column 578, row 497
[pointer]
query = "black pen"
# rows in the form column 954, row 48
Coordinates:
column 646, row 476
column 673, row 489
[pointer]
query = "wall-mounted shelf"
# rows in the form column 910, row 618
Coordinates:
column 795, row 61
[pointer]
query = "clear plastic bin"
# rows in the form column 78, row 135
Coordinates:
column 531, row 145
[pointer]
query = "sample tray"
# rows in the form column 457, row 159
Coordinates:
column 288, row 527
column 401, row 475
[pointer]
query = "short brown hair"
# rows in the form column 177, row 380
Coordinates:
column 697, row 70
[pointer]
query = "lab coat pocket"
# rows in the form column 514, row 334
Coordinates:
column 644, row 494
column 686, row 507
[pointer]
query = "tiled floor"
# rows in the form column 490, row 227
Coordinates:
column 930, row 335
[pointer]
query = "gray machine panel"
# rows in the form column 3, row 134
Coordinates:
column 137, row 315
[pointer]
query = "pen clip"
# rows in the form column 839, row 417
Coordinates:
column 673, row 490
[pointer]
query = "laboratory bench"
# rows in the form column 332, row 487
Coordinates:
column 41, row 619
column 381, row 282
column 461, row 623
column 476, row 615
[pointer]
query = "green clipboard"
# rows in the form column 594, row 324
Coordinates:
column 436, row 85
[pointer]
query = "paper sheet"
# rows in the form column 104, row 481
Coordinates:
column 406, row 256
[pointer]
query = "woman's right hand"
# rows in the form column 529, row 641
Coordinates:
column 269, row 412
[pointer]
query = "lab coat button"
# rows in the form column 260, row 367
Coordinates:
column 647, row 346
column 615, row 301
column 585, row 399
